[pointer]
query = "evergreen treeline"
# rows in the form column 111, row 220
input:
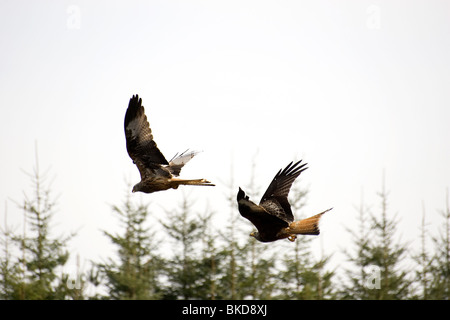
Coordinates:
column 205, row 263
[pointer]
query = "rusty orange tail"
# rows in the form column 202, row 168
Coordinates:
column 308, row 226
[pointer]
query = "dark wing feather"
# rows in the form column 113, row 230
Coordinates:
column 140, row 144
column 268, row 225
column 275, row 199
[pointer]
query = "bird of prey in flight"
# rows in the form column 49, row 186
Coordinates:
column 157, row 173
column 273, row 216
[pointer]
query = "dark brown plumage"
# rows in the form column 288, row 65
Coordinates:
column 156, row 172
column 273, row 216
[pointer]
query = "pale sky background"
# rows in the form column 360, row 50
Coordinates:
column 352, row 87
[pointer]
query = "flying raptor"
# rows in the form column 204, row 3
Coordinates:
column 273, row 216
column 157, row 173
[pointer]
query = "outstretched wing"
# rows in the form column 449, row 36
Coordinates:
column 275, row 199
column 140, row 144
column 179, row 160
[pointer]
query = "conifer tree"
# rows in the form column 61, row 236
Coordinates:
column 377, row 273
column 8, row 267
column 41, row 255
column 303, row 277
column 136, row 274
column 184, row 267
column 258, row 270
column 387, row 253
column 424, row 261
column 232, row 270
column 440, row 286
column 210, row 261
column 357, row 286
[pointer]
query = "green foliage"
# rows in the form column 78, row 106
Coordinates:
column 381, row 252
column 134, row 275
column 303, row 277
column 198, row 259
column 191, row 270
column 440, row 266
column 35, row 272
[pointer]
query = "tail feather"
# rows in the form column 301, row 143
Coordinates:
column 308, row 226
column 191, row 182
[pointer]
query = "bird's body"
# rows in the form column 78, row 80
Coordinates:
column 157, row 174
column 273, row 216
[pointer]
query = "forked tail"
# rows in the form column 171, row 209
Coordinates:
column 308, row 226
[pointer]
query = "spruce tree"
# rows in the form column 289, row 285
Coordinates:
column 210, row 262
column 423, row 260
column 440, row 285
column 258, row 270
column 8, row 266
column 377, row 273
column 357, row 285
column 232, row 270
column 387, row 253
column 135, row 274
column 183, row 269
column 302, row 277
column 41, row 256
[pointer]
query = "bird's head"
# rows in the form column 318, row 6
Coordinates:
column 241, row 195
column 136, row 188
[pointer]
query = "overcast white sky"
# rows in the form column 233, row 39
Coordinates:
column 352, row 87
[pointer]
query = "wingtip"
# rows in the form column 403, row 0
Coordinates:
column 136, row 98
column 294, row 168
column 326, row 211
column 134, row 109
column 134, row 104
